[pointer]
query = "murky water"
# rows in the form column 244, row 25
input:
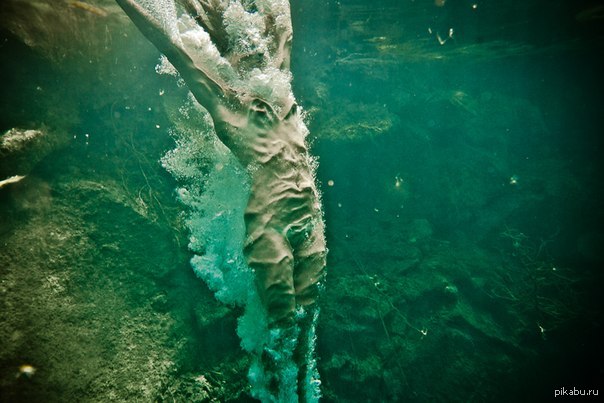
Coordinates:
column 459, row 150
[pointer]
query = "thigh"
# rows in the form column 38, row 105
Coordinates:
column 309, row 265
column 270, row 256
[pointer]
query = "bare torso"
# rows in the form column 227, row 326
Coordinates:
column 284, row 227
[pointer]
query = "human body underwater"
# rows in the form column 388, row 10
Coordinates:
column 234, row 58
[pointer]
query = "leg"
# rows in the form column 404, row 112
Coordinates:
column 270, row 256
column 309, row 269
column 304, row 356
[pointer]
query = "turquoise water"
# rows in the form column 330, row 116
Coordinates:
column 459, row 149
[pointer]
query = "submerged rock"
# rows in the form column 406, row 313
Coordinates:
column 22, row 149
column 15, row 140
column 11, row 179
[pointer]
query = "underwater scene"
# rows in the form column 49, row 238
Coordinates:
column 305, row 200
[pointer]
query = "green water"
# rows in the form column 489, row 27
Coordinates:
column 461, row 184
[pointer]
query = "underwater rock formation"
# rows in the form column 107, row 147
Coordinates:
column 64, row 29
column 22, row 149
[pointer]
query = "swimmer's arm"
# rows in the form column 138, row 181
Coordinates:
column 209, row 91
column 209, row 15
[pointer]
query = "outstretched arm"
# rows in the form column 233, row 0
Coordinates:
column 280, row 30
column 208, row 14
column 209, row 90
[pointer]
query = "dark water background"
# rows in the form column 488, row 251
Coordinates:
column 515, row 93
column 462, row 186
